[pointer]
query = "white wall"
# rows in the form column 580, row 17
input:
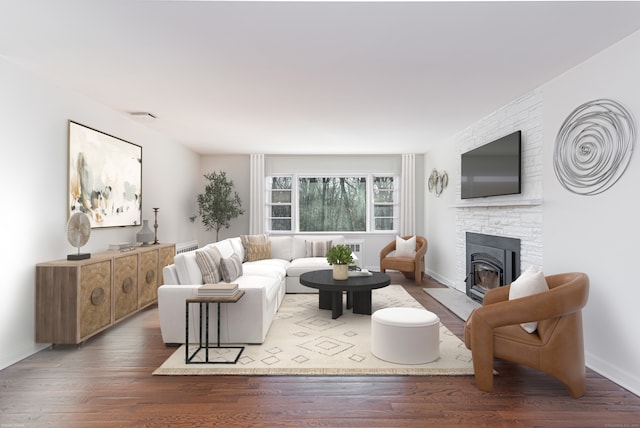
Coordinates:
column 599, row 234
column 440, row 215
column 237, row 168
column 34, row 174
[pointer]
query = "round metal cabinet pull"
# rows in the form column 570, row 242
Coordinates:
column 151, row 274
column 127, row 285
column 97, row 296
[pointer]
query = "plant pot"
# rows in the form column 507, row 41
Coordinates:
column 340, row 272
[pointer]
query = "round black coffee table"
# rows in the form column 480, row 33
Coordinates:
column 358, row 290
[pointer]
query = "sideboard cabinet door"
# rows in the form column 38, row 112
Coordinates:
column 125, row 285
column 148, row 291
column 95, row 298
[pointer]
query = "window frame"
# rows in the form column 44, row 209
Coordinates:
column 270, row 204
column 370, row 222
column 395, row 204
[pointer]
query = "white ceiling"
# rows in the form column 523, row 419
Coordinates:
column 307, row 77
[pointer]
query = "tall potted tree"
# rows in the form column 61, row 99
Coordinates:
column 219, row 204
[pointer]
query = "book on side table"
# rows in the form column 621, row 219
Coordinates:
column 220, row 289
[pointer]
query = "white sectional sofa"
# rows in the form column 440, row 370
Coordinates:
column 265, row 283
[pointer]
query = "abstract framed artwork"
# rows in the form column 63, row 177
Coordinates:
column 105, row 178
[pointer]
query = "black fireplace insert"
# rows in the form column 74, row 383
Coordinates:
column 492, row 261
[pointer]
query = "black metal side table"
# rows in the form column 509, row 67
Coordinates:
column 203, row 343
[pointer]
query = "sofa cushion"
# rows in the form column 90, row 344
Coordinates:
column 299, row 266
column 238, row 248
column 273, row 268
column 187, row 268
column 170, row 275
column 280, row 247
column 317, row 248
column 530, row 282
column 252, row 239
column 257, row 251
column 208, row 260
column 231, row 268
column 224, row 247
column 271, row 285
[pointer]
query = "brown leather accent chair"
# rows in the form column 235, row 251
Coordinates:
column 411, row 267
column 555, row 348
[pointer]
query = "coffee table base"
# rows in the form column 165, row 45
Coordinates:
column 359, row 300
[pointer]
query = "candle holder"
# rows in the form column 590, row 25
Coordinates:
column 155, row 226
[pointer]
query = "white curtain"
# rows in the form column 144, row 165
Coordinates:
column 408, row 195
column 256, row 195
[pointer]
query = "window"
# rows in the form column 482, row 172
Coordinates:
column 279, row 203
column 332, row 204
column 385, row 202
column 362, row 203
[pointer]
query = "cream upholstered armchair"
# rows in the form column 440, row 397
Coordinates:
column 555, row 348
column 411, row 267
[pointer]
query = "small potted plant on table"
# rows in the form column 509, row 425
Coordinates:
column 340, row 256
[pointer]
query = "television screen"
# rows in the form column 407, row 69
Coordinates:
column 492, row 169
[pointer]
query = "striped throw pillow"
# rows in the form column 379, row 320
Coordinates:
column 231, row 268
column 317, row 248
column 208, row 260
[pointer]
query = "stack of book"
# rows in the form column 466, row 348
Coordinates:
column 221, row 289
column 123, row 246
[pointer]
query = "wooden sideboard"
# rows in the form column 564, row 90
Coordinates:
column 78, row 299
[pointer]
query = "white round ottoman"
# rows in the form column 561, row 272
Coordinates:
column 405, row 335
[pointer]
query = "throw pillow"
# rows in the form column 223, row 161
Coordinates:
column 258, row 251
column 317, row 248
column 530, row 282
column 406, row 247
column 208, row 260
column 252, row 239
column 231, row 268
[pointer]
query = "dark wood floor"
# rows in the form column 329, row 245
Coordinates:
column 108, row 382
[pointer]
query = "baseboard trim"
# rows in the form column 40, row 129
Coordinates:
column 626, row 380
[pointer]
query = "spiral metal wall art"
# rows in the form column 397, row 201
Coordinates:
column 594, row 147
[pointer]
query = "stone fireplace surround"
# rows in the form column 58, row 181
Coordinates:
column 516, row 216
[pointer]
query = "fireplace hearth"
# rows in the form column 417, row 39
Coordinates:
column 492, row 261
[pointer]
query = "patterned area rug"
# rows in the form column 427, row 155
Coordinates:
column 304, row 340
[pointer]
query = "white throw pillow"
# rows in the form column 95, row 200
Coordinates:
column 406, row 248
column 530, row 282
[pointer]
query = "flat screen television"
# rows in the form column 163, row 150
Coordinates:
column 493, row 169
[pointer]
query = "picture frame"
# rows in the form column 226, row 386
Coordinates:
column 105, row 178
